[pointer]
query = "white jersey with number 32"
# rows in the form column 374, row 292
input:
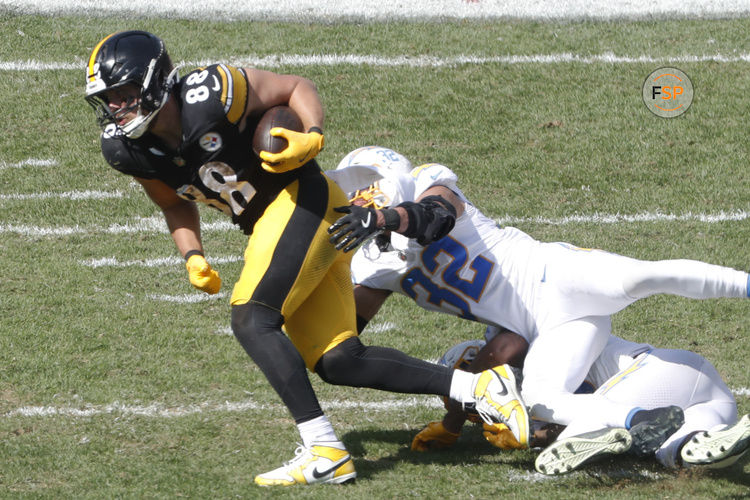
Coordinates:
column 479, row 271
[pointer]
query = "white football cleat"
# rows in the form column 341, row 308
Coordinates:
column 718, row 449
column 498, row 401
column 319, row 464
column 570, row 453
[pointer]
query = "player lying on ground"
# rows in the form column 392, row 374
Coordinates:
column 556, row 296
column 625, row 372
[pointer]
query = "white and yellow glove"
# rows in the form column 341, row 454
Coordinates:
column 501, row 436
column 433, row 437
column 302, row 148
column 201, row 275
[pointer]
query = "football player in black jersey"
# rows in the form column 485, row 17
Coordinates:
column 188, row 140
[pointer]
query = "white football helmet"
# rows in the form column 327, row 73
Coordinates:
column 367, row 164
column 461, row 355
column 371, row 176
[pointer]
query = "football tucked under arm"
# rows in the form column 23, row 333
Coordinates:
column 277, row 116
column 280, row 142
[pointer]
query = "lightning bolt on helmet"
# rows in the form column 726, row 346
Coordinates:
column 137, row 58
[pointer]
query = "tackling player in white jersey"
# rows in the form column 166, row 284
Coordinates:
column 556, row 296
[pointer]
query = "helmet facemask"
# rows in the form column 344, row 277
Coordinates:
column 371, row 196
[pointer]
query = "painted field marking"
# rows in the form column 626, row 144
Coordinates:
column 68, row 195
column 300, row 60
column 377, row 10
column 173, row 260
column 188, row 298
column 165, row 411
column 30, row 162
column 156, row 224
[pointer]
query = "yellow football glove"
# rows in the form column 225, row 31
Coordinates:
column 433, row 437
column 302, row 148
column 501, row 436
column 201, row 275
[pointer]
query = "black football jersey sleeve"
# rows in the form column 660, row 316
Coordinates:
column 213, row 101
column 215, row 164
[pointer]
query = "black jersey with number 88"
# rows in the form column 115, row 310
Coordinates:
column 214, row 164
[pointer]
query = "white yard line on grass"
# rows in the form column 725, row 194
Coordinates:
column 191, row 298
column 377, row 10
column 173, row 260
column 157, row 225
column 160, row 410
column 736, row 215
column 275, row 61
column 30, row 162
column 154, row 224
column 68, row 195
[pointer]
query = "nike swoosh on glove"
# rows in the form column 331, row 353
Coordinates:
column 433, row 437
column 353, row 229
column 202, row 276
column 302, row 148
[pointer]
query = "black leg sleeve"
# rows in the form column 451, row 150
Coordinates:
column 354, row 364
column 258, row 328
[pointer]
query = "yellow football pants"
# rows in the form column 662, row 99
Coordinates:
column 291, row 266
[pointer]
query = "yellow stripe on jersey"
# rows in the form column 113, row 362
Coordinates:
column 94, row 53
column 623, row 374
column 234, row 92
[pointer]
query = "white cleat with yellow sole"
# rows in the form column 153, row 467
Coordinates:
column 327, row 463
column 718, row 449
column 569, row 454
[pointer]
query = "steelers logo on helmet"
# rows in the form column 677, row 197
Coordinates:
column 461, row 355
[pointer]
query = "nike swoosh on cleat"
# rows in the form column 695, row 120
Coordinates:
column 502, row 382
column 318, row 474
column 366, row 222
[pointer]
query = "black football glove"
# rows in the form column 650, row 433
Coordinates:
column 353, row 229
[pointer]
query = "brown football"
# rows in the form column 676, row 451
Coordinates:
column 278, row 116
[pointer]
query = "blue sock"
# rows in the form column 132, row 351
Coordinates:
column 630, row 416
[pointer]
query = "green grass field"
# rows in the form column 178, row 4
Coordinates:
column 109, row 390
